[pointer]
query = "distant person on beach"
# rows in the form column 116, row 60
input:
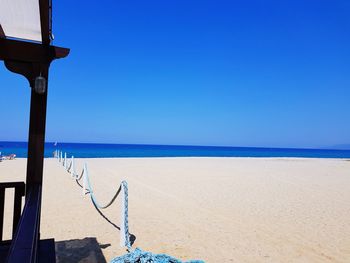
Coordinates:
column 12, row 156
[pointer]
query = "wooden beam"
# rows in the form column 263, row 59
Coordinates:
column 16, row 50
column 44, row 8
column 19, row 192
column 17, row 208
column 24, row 247
column 2, row 206
column 2, row 33
column 36, row 139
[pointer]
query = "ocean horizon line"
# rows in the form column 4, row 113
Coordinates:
column 108, row 150
column 341, row 146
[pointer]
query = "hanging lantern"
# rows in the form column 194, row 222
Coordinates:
column 40, row 85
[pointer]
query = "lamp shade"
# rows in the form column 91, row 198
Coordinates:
column 40, row 85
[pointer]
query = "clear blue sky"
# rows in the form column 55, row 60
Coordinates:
column 238, row 73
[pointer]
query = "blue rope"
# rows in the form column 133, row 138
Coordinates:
column 126, row 215
column 140, row 256
column 93, row 198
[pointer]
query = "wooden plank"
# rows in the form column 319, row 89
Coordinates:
column 24, row 247
column 46, row 252
column 45, row 21
column 2, row 204
column 36, row 140
column 19, row 192
column 17, row 209
column 15, row 50
column 12, row 185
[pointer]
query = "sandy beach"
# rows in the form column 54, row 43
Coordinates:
column 214, row 209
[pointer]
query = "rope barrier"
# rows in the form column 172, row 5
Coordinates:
column 68, row 169
column 133, row 256
column 72, row 172
column 77, row 179
column 81, row 175
column 93, row 197
column 87, row 189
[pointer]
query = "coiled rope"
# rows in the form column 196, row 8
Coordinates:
column 140, row 256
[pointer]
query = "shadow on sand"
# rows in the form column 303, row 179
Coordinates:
column 132, row 236
column 80, row 250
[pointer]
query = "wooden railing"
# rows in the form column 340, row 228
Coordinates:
column 19, row 193
column 25, row 246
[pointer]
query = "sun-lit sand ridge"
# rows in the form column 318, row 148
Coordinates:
column 215, row 209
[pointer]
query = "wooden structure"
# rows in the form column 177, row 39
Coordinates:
column 25, row 48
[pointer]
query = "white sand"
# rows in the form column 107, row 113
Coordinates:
column 215, row 209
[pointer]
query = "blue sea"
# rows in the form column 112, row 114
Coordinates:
column 91, row 150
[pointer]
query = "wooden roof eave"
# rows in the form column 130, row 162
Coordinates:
column 15, row 50
column 28, row 58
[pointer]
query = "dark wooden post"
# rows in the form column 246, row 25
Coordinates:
column 31, row 60
column 36, row 140
column 2, row 204
column 38, row 102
